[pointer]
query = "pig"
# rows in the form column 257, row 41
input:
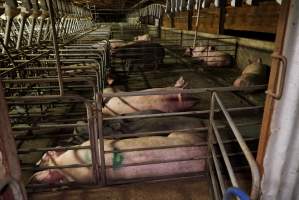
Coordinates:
column 184, row 157
column 141, row 125
column 209, row 56
column 255, row 73
column 163, row 103
column 115, row 43
column 145, row 37
column 140, row 52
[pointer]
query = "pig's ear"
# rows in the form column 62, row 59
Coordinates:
column 180, row 82
column 47, row 157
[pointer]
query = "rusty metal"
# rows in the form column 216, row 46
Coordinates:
column 270, row 101
column 55, row 44
column 281, row 77
column 101, row 149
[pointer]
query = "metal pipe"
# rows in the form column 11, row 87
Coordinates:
column 32, row 30
column 253, row 165
column 101, row 138
column 228, row 165
column 7, row 31
column 93, row 144
column 168, row 91
column 55, row 44
column 181, row 113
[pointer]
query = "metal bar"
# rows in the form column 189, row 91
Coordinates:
column 180, row 113
column 218, row 170
column 167, row 91
column 225, row 156
column 253, row 165
column 55, row 44
column 93, row 143
column 32, row 30
column 101, row 138
column 24, row 151
column 38, row 168
column 21, row 31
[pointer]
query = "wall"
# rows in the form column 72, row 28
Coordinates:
column 262, row 18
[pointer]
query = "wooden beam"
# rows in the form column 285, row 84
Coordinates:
column 222, row 12
column 190, row 14
column 270, row 101
column 9, row 158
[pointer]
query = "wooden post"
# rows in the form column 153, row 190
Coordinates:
column 9, row 158
column 222, row 12
column 190, row 14
column 172, row 20
column 270, row 101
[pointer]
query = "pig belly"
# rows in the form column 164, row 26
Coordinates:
column 157, row 170
column 123, row 105
column 159, row 155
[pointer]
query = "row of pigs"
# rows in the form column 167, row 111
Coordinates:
column 144, row 50
column 186, row 155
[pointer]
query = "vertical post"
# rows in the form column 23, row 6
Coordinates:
column 181, row 38
column 21, row 31
column 9, row 163
column 172, row 25
column 7, row 31
column 99, row 103
column 196, row 27
column 270, row 101
column 222, row 11
column 56, row 48
column 93, row 143
column 190, row 14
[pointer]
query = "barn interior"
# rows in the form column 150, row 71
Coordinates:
column 134, row 99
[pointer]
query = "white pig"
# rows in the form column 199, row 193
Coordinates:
column 145, row 37
column 163, row 103
column 255, row 73
column 209, row 56
column 132, row 164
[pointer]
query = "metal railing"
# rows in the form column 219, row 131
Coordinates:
column 214, row 132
